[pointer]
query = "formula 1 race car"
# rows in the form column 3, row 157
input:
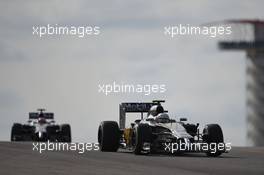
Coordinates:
column 158, row 133
column 41, row 127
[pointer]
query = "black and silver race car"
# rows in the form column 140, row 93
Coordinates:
column 158, row 133
column 41, row 126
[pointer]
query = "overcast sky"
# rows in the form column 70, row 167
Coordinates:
column 62, row 73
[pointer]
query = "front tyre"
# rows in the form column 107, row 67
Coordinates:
column 212, row 134
column 65, row 133
column 16, row 132
column 109, row 136
column 54, row 134
column 142, row 134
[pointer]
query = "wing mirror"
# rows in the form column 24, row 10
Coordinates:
column 183, row 119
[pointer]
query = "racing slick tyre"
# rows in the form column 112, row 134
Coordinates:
column 212, row 133
column 142, row 134
column 109, row 136
column 65, row 133
column 16, row 132
column 52, row 132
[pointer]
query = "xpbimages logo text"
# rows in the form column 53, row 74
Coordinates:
column 145, row 89
column 79, row 31
column 63, row 146
column 197, row 147
column 187, row 29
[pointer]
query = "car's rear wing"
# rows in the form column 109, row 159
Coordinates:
column 46, row 115
column 134, row 108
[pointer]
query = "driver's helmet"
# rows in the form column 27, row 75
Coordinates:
column 162, row 118
column 155, row 110
column 41, row 119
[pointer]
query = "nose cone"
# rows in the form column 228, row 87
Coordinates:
column 40, row 135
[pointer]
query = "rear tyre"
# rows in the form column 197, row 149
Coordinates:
column 16, row 132
column 212, row 134
column 142, row 135
column 66, row 133
column 109, row 136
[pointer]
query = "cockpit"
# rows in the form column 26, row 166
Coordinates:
column 162, row 118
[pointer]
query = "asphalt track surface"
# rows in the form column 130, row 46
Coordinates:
column 19, row 159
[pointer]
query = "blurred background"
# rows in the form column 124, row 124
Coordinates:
column 62, row 73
